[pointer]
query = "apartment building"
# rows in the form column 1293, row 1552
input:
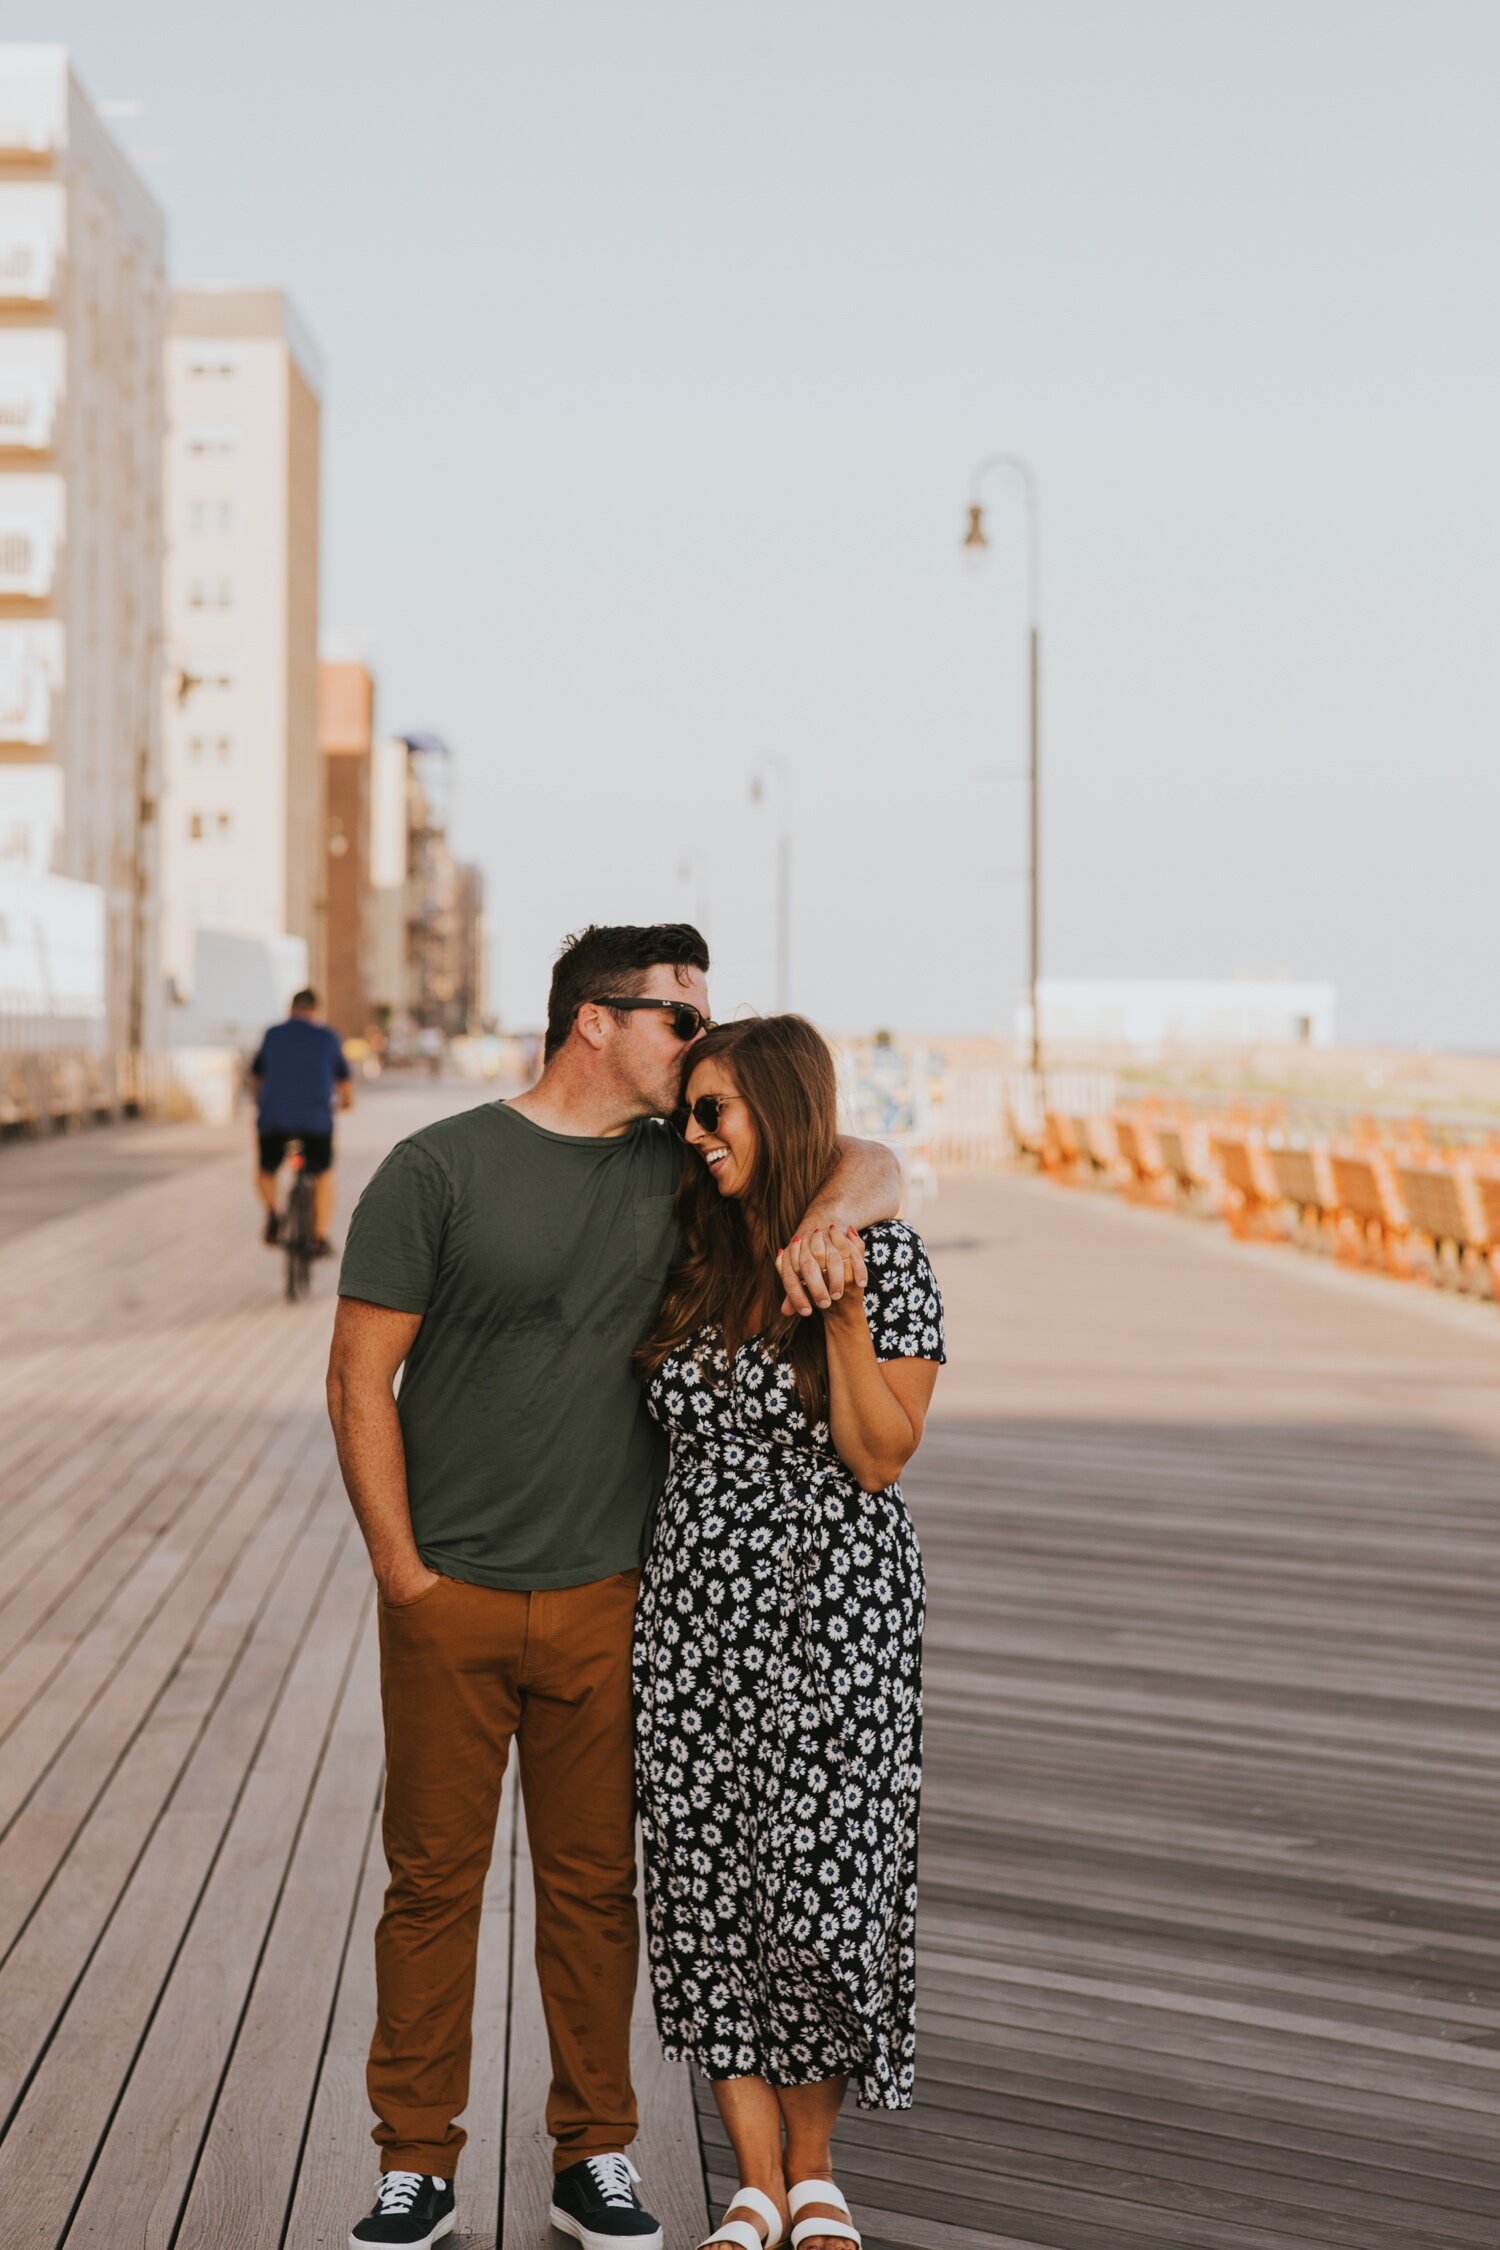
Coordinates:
column 428, row 934
column 82, row 322
column 346, row 731
column 243, row 818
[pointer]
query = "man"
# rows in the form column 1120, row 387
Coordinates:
column 299, row 1074
column 511, row 1258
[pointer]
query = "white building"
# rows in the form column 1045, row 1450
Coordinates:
column 1157, row 1014
column 82, row 322
column 243, row 825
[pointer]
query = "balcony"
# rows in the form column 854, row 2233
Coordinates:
column 31, row 673
column 31, row 242
column 33, row 100
column 31, row 523
column 31, row 384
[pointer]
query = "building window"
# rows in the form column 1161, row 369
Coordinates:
column 210, row 515
column 195, row 827
column 195, row 746
column 214, row 360
column 16, row 554
column 224, row 746
column 225, row 823
column 212, row 437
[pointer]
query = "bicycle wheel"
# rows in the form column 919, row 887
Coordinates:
column 298, row 1225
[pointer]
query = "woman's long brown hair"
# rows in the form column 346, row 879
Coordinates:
column 784, row 1070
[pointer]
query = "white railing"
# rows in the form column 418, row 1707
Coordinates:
column 954, row 1118
column 976, row 1110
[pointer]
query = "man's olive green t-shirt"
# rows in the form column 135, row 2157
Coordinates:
column 537, row 1261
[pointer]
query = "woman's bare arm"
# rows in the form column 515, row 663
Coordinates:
column 876, row 1408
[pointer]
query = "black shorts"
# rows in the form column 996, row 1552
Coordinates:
column 317, row 1151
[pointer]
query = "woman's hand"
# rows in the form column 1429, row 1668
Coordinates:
column 824, row 1271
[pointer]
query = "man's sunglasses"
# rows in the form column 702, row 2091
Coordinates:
column 687, row 1021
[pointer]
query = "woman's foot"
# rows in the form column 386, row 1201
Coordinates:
column 752, row 2213
column 821, row 2217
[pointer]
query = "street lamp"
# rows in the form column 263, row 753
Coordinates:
column 975, row 544
column 783, row 869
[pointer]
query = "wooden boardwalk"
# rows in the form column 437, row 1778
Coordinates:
column 1210, row 1917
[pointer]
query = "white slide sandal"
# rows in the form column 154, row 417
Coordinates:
column 740, row 2232
column 839, row 2228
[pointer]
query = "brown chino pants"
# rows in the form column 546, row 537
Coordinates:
column 463, row 1670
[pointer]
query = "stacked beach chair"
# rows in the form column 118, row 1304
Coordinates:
column 1390, row 1196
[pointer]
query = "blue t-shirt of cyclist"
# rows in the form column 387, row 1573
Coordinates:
column 299, row 1063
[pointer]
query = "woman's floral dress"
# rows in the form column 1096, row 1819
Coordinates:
column 778, row 1683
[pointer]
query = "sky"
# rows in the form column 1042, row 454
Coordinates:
column 662, row 340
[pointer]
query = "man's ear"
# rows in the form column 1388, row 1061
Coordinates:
column 589, row 1022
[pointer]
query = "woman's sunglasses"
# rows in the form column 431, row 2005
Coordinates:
column 687, row 1021
column 707, row 1108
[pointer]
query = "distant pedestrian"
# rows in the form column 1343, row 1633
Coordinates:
column 779, row 1640
column 299, row 1076
column 512, row 1257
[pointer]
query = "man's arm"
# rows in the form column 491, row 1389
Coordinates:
column 864, row 1185
column 369, row 1344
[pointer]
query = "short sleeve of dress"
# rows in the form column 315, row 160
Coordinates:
column 903, row 1303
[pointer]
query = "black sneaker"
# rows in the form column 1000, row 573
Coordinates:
column 596, row 2203
column 273, row 1227
column 411, row 2210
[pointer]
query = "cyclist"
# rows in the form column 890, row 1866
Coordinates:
column 299, row 1076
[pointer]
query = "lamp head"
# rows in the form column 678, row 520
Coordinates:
column 975, row 544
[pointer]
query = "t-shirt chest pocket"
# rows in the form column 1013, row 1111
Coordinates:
column 655, row 1236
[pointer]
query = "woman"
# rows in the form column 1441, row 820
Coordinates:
column 778, row 1641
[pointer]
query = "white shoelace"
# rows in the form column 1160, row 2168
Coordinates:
column 398, row 2192
column 614, row 2176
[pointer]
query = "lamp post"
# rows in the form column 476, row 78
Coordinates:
column 783, row 869
column 975, row 543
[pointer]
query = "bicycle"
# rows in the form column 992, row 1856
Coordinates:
column 296, row 1230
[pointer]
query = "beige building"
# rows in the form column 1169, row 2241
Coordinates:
column 243, row 829
column 388, row 976
column 82, row 313
column 346, row 729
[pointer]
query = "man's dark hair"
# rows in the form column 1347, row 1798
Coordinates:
column 305, row 999
column 602, row 961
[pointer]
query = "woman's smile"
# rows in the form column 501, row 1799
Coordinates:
column 721, row 1127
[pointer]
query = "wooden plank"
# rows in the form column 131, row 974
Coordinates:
column 213, row 1709
column 113, row 1688
column 339, row 2164
column 129, row 2078
column 247, row 2170
column 666, row 2152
